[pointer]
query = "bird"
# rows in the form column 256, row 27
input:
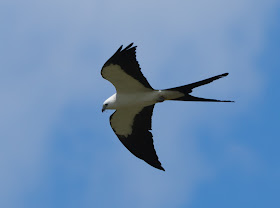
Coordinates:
column 134, row 102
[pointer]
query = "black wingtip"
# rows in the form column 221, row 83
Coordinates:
column 154, row 163
column 162, row 169
column 120, row 48
column 157, row 166
column 125, row 49
column 128, row 47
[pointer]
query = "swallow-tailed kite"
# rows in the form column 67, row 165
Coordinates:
column 134, row 102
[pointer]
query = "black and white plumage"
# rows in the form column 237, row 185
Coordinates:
column 134, row 102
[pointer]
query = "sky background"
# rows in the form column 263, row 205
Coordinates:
column 58, row 150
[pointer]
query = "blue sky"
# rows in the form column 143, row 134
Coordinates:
column 56, row 147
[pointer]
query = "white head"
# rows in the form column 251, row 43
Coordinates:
column 109, row 103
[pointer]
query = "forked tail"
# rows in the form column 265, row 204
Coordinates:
column 186, row 89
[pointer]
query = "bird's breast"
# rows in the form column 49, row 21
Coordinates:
column 140, row 99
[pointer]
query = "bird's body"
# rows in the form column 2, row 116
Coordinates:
column 134, row 102
column 140, row 99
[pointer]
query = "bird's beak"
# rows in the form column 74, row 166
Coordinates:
column 103, row 108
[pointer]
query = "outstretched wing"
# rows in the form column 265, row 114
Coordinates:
column 124, row 72
column 132, row 126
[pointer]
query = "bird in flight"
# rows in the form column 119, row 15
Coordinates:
column 134, row 102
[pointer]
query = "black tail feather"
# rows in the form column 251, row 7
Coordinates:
column 193, row 98
column 186, row 89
